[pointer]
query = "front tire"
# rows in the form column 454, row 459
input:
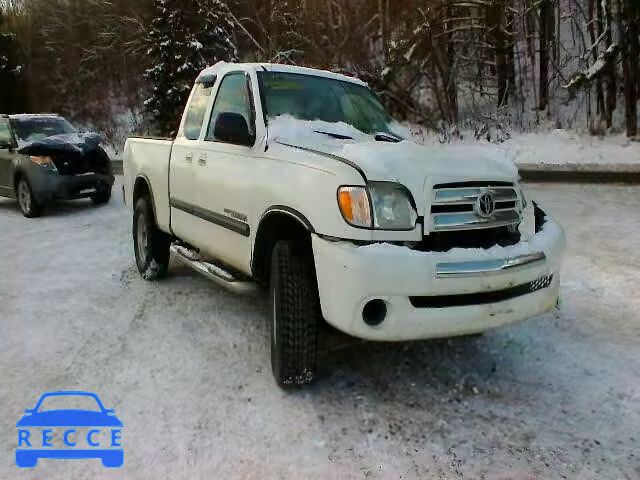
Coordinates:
column 151, row 245
column 295, row 315
column 28, row 205
column 101, row 197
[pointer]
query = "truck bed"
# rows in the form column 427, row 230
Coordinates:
column 149, row 157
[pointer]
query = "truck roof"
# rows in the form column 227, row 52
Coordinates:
column 26, row 116
column 221, row 68
column 32, row 115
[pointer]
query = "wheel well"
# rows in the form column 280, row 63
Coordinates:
column 140, row 189
column 17, row 176
column 276, row 226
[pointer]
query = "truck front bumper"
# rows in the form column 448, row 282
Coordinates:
column 436, row 294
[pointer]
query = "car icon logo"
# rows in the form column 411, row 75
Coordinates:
column 36, row 431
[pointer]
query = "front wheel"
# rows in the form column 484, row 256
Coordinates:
column 101, row 197
column 295, row 310
column 151, row 245
column 28, row 204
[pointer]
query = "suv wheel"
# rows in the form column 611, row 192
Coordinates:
column 151, row 246
column 295, row 315
column 101, row 196
column 30, row 208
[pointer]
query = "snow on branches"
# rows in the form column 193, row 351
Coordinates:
column 184, row 37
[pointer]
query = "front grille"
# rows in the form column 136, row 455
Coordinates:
column 481, row 298
column 453, row 206
column 486, row 238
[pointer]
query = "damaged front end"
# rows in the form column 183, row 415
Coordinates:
column 456, row 283
column 71, row 154
column 67, row 167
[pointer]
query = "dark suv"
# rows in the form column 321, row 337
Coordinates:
column 44, row 158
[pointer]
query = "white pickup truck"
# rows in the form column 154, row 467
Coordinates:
column 298, row 180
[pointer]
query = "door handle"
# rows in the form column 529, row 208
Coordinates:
column 202, row 161
column 189, row 157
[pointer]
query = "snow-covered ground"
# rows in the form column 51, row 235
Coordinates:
column 555, row 148
column 185, row 365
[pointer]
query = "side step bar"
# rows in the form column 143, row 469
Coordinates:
column 213, row 272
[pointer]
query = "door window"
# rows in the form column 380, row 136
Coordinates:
column 5, row 133
column 197, row 107
column 233, row 97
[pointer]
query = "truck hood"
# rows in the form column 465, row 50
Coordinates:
column 404, row 162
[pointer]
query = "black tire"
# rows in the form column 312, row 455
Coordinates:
column 101, row 197
column 295, row 315
column 28, row 205
column 151, row 246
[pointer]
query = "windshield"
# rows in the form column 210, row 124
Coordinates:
column 308, row 97
column 30, row 129
column 69, row 402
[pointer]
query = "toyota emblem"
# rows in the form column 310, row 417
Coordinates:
column 485, row 204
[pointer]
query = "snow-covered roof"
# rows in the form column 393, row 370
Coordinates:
column 221, row 68
column 27, row 116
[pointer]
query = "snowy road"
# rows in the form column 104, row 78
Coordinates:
column 185, row 365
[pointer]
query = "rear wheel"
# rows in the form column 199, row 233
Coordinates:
column 295, row 315
column 28, row 204
column 151, row 245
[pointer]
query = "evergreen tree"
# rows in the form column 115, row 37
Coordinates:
column 285, row 41
column 184, row 37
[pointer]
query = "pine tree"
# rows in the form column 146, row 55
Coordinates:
column 184, row 37
column 286, row 43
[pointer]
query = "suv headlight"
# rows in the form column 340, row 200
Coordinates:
column 381, row 206
column 45, row 162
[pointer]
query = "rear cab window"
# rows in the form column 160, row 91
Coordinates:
column 197, row 109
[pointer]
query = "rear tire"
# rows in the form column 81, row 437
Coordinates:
column 295, row 315
column 101, row 197
column 151, row 246
column 28, row 205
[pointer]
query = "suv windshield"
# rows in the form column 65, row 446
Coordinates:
column 30, row 129
column 308, row 97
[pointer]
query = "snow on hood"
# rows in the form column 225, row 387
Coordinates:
column 405, row 162
column 79, row 143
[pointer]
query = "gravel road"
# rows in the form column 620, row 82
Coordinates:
column 185, row 365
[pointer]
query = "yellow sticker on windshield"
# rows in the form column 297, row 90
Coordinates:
column 285, row 85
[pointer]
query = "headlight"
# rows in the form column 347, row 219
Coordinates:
column 392, row 208
column 43, row 161
column 385, row 206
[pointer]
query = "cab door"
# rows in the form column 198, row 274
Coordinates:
column 7, row 155
column 224, row 175
column 182, row 194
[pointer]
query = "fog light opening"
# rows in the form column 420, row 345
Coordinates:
column 374, row 312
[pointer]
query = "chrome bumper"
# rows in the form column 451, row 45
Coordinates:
column 482, row 268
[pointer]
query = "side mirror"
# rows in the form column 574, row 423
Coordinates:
column 233, row 128
column 109, row 411
column 4, row 145
column 29, row 410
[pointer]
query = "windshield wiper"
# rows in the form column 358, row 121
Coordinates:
column 387, row 137
column 335, row 135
